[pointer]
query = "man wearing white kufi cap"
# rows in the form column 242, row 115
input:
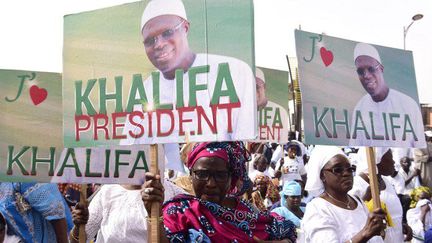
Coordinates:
column 165, row 28
column 388, row 117
column 269, row 112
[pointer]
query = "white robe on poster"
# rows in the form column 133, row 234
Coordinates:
column 395, row 102
column 243, row 127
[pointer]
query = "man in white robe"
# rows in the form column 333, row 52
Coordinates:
column 384, row 116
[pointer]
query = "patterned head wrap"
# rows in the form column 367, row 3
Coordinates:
column 272, row 192
column 234, row 153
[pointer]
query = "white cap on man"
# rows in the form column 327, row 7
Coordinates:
column 363, row 49
column 259, row 74
column 157, row 8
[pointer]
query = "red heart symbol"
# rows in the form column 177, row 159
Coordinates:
column 37, row 95
column 326, row 56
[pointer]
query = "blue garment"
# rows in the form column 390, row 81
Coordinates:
column 45, row 203
column 288, row 215
column 428, row 236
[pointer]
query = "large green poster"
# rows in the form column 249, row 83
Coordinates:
column 183, row 74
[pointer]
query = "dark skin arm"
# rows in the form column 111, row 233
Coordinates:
column 408, row 181
column 407, row 231
column 2, row 228
column 278, row 172
column 80, row 216
column 368, row 195
column 153, row 192
column 424, row 210
column 60, row 229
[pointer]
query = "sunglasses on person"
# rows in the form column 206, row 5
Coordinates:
column 204, row 175
column 166, row 35
column 338, row 170
column 371, row 70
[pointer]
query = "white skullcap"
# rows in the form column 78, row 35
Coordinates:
column 363, row 49
column 260, row 74
column 422, row 202
column 320, row 156
column 428, row 133
column 157, row 8
column 362, row 165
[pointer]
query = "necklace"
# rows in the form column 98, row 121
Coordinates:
column 344, row 203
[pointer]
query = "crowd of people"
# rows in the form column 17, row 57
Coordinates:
column 235, row 193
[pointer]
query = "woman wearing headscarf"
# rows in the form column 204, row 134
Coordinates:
column 290, row 208
column 215, row 214
column 35, row 212
column 334, row 216
column 388, row 195
column 266, row 193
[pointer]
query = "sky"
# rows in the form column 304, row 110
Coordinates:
column 32, row 31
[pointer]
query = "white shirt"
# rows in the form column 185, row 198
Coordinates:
column 118, row 215
column 243, row 127
column 398, row 183
column 324, row 222
column 292, row 169
column 393, row 204
column 414, row 181
column 396, row 102
column 414, row 221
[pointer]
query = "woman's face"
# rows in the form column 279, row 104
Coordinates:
column 211, row 179
column 386, row 166
column 337, row 174
column 293, row 201
column 261, row 164
column 261, row 186
column 292, row 152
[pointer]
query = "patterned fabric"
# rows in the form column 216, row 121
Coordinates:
column 237, row 156
column 221, row 224
column 28, row 208
column 272, row 193
column 258, row 201
column 63, row 187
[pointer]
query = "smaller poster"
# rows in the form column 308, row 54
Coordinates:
column 358, row 94
column 31, row 138
column 272, row 94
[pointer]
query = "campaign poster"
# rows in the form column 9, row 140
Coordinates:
column 357, row 94
column 159, row 72
column 31, row 138
column 272, row 95
column 30, row 124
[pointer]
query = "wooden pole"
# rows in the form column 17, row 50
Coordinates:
column 83, row 199
column 154, row 224
column 373, row 180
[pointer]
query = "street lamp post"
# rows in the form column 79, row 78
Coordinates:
column 405, row 29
